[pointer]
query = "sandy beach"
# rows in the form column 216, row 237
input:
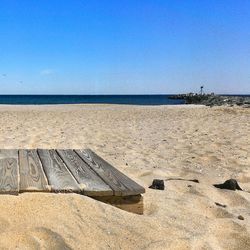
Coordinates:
column 145, row 142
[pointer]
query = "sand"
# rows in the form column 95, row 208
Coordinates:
column 145, row 142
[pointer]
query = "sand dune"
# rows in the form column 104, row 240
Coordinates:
column 145, row 142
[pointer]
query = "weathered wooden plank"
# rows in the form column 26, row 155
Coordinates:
column 9, row 171
column 92, row 184
column 132, row 204
column 120, row 183
column 60, row 179
column 32, row 176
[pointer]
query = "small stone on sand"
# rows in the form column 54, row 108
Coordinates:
column 240, row 217
column 157, row 184
column 230, row 184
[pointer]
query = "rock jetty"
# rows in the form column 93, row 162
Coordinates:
column 214, row 100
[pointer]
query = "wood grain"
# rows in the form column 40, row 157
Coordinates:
column 120, row 183
column 32, row 176
column 60, row 179
column 92, row 184
column 9, row 171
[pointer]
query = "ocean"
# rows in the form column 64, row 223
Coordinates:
column 77, row 99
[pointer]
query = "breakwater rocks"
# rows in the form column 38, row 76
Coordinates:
column 214, row 100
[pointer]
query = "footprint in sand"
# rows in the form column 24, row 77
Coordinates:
column 39, row 238
column 48, row 239
column 222, row 213
column 151, row 209
column 4, row 225
column 235, row 199
column 231, row 235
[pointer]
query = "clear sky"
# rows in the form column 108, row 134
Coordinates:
column 124, row 46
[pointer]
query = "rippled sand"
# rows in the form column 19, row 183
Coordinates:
column 145, row 142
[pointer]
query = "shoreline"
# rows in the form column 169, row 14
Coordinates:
column 91, row 105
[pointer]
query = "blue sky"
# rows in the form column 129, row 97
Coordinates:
column 124, row 47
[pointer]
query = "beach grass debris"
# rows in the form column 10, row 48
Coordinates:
column 220, row 205
column 182, row 179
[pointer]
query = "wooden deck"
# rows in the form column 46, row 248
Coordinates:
column 67, row 170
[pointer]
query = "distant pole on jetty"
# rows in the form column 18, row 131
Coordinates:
column 202, row 90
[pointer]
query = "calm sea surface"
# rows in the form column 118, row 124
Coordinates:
column 77, row 99
column 74, row 99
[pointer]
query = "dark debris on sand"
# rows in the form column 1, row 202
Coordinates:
column 220, row 205
column 157, row 184
column 230, row 184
